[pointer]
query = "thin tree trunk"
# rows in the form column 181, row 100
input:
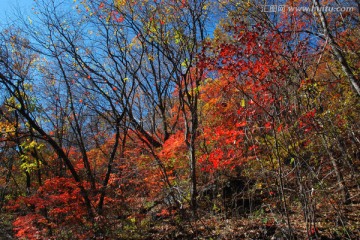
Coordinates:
column 281, row 181
column 340, row 179
column 193, row 188
column 59, row 151
column 109, row 166
column 336, row 48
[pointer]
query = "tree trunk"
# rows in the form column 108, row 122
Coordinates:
column 337, row 52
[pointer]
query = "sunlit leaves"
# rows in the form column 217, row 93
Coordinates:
column 28, row 148
column 49, row 210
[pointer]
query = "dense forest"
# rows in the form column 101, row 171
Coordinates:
column 180, row 119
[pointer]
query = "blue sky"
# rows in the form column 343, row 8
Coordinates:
column 7, row 8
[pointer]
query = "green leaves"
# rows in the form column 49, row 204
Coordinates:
column 28, row 162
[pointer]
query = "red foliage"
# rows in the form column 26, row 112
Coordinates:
column 241, row 97
column 56, row 209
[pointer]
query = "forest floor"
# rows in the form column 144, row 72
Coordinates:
column 333, row 221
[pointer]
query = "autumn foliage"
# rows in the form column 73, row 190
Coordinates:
column 180, row 120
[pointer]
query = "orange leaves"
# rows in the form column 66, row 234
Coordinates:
column 117, row 17
column 56, row 205
column 174, row 145
column 222, row 143
column 240, row 100
column 307, row 121
column 268, row 125
column 26, row 226
column 215, row 157
column 120, row 19
column 183, row 3
column 241, row 124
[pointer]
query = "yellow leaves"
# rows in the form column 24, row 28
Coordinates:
column 185, row 63
column 31, row 145
column 151, row 26
column 178, row 36
column 28, row 86
column 108, row 18
column 132, row 219
column 151, row 57
column 12, row 104
column 134, row 43
column 205, row 7
column 11, row 101
column 6, row 128
column 9, row 129
column 243, row 103
column 25, row 165
column 215, row 208
column 120, row 3
column 28, row 164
